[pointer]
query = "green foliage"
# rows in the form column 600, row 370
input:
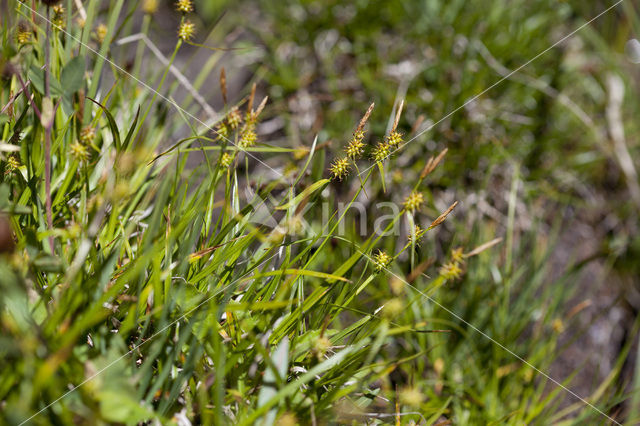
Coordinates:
column 168, row 294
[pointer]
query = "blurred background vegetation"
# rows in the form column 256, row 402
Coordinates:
column 545, row 160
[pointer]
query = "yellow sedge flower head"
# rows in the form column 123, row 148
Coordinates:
column 417, row 233
column 226, row 160
column 150, row 6
column 457, row 255
column 234, row 118
column 79, row 152
column 187, row 30
column 87, row 135
column 100, row 33
column 12, row 165
column 58, row 19
column 222, row 130
column 355, row 149
column 248, row 137
column 450, row 271
column 414, row 201
column 381, row 260
column 381, row 152
column 184, row 6
column 339, row 168
column 23, row 33
column 394, row 139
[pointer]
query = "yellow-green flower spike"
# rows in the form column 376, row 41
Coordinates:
column 184, row 6
column 414, row 201
column 339, row 168
column 187, row 30
column 381, row 260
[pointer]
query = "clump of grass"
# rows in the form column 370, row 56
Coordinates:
column 138, row 287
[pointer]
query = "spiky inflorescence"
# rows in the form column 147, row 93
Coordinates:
column 23, row 33
column 355, row 148
column 184, row 6
column 339, row 168
column 414, row 201
column 226, row 160
column 381, row 152
column 222, row 130
column 78, row 151
column 58, row 19
column 187, row 30
column 450, row 271
column 394, row 139
column 234, row 118
column 248, row 137
column 381, row 260
column 457, row 255
column 12, row 165
column 416, row 233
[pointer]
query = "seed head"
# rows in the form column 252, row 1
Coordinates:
column 381, row 260
column 381, row 152
column 79, row 152
column 339, row 168
column 150, row 6
column 414, row 201
column 184, row 6
column 187, row 30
